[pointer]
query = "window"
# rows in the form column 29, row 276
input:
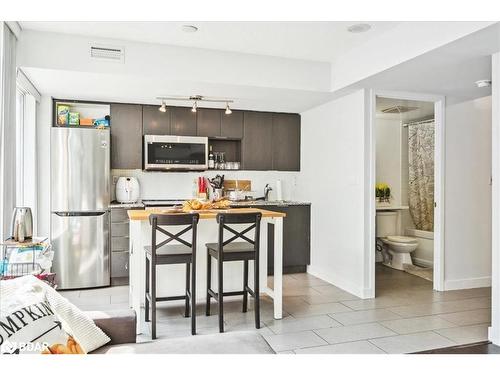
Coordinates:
column 26, row 179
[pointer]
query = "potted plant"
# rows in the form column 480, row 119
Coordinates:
column 383, row 193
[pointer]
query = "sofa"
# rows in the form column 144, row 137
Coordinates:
column 120, row 326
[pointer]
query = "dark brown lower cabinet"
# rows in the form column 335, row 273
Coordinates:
column 296, row 238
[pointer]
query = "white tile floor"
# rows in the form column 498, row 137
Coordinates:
column 407, row 316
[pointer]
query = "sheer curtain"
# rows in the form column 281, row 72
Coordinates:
column 7, row 127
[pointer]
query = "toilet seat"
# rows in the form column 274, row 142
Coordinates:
column 402, row 239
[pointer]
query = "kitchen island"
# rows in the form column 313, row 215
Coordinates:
column 171, row 278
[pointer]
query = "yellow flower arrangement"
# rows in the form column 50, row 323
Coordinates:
column 382, row 191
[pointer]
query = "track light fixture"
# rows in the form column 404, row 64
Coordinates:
column 228, row 110
column 195, row 99
column 163, row 107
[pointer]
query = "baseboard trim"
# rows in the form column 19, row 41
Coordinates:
column 341, row 283
column 423, row 262
column 478, row 282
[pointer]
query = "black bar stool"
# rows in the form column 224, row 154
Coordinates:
column 229, row 251
column 160, row 253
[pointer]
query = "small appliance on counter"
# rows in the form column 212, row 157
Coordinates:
column 22, row 224
column 127, row 190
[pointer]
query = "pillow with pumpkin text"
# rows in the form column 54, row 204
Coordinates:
column 34, row 318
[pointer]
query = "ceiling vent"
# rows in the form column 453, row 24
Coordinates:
column 398, row 109
column 110, row 53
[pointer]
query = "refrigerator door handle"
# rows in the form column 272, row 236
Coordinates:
column 66, row 214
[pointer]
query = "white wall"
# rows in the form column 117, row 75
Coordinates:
column 332, row 178
column 494, row 331
column 388, row 155
column 467, row 197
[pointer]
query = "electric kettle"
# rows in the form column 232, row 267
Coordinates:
column 22, row 224
column 127, row 190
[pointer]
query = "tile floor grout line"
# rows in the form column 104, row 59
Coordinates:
column 371, row 342
column 447, row 338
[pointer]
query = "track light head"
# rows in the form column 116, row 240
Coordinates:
column 228, row 110
column 195, row 106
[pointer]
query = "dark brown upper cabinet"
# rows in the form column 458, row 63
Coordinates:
column 183, row 121
column 286, row 142
column 208, row 121
column 126, row 136
column 231, row 125
column 256, row 149
column 155, row 122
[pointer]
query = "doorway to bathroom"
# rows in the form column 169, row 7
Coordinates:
column 406, row 170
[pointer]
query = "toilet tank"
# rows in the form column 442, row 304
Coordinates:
column 386, row 222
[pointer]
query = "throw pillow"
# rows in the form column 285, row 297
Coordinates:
column 34, row 318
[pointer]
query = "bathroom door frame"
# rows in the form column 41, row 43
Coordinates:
column 439, row 183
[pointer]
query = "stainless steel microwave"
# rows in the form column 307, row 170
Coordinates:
column 171, row 153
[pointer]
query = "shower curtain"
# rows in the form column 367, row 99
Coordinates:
column 421, row 174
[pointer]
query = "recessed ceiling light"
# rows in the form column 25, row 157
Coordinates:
column 483, row 83
column 189, row 28
column 359, row 28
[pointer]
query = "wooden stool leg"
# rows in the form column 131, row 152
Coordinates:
column 153, row 299
column 209, row 282
column 188, row 281
column 220, row 295
column 245, row 286
column 146, row 302
column 257, row 293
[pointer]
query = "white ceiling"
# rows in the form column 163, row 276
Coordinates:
column 422, row 109
column 316, row 41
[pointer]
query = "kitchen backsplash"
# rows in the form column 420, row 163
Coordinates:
column 178, row 185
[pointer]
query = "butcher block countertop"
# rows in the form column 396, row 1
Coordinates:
column 140, row 215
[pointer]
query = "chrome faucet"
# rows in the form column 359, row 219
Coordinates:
column 267, row 189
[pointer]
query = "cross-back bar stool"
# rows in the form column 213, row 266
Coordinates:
column 160, row 253
column 230, row 251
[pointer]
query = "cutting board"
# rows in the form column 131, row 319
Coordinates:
column 243, row 185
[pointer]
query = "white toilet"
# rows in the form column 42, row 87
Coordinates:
column 395, row 249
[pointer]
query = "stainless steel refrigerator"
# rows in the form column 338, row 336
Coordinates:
column 80, row 193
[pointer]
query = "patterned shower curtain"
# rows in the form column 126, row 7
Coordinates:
column 421, row 174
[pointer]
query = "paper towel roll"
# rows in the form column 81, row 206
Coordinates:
column 279, row 191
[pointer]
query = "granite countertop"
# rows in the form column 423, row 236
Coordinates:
column 116, row 204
